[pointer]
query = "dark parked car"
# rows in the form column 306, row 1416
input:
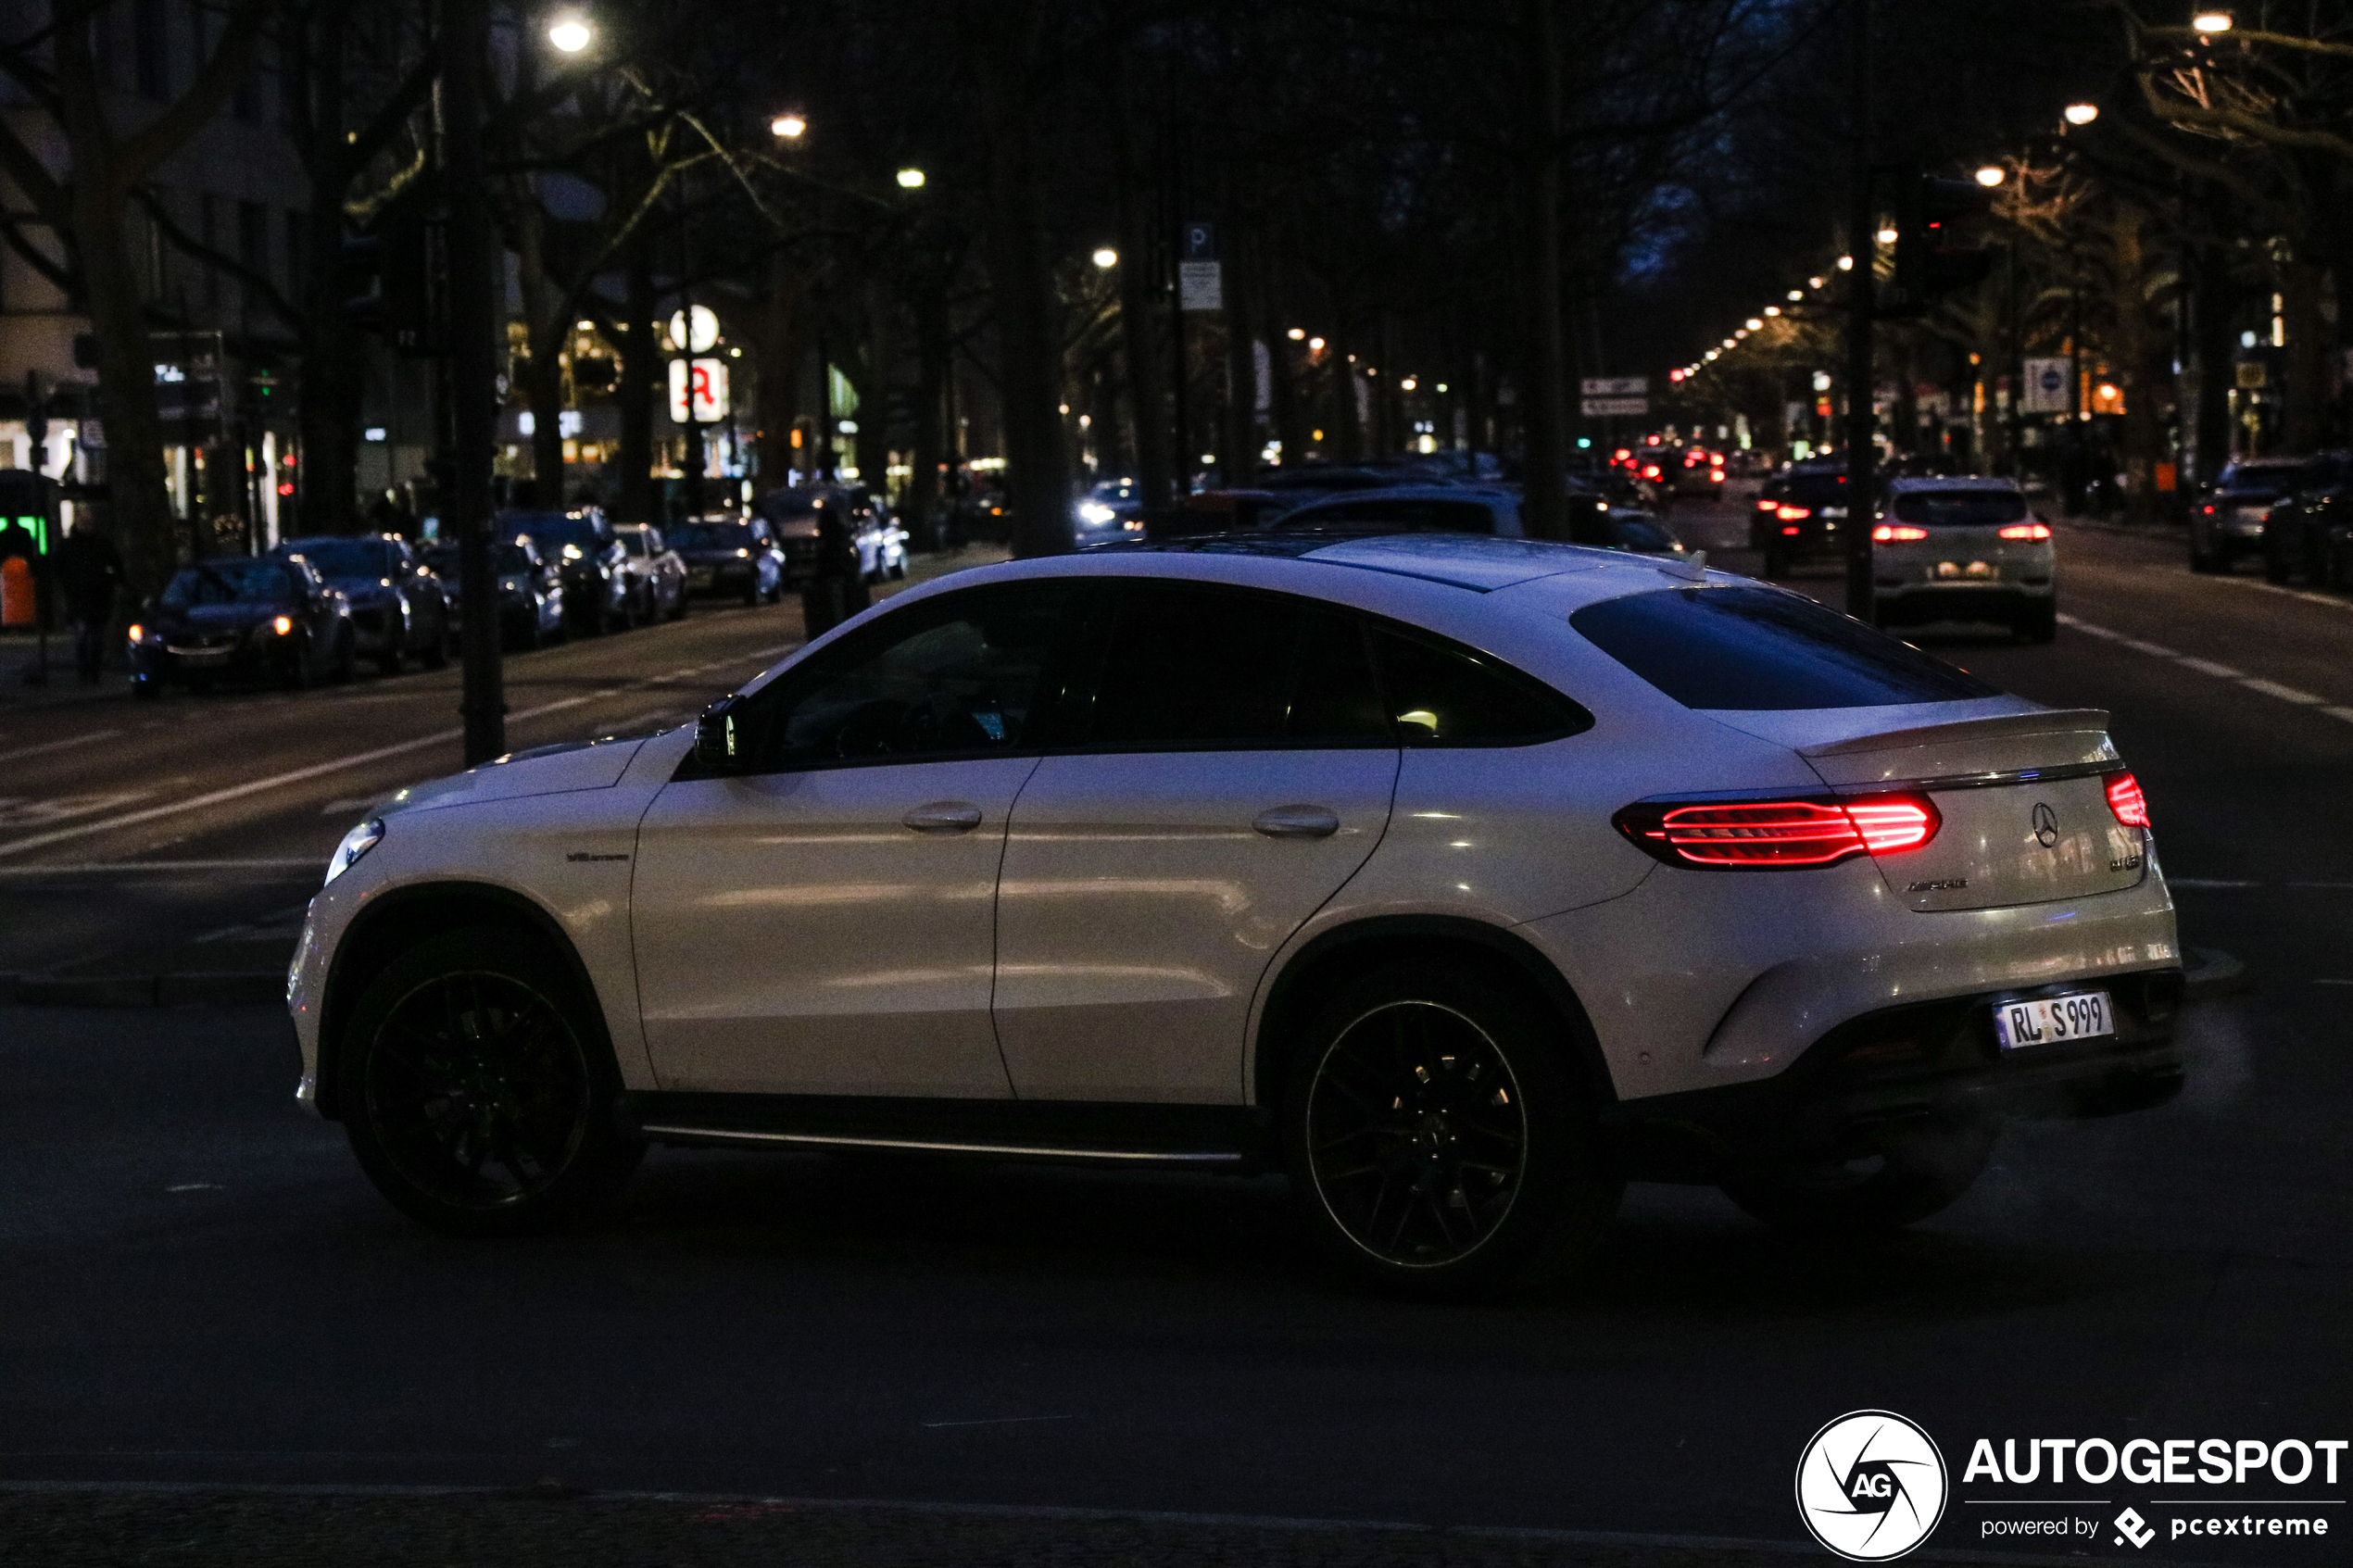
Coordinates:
column 657, row 572
column 732, row 556
column 582, row 547
column 398, row 607
column 530, row 591
column 2228, row 521
column 2299, row 528
column 243, row 616
column 1799, row 513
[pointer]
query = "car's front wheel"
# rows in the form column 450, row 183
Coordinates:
column 1438, row 1137
column 1905, row 1176
column 477, row 1087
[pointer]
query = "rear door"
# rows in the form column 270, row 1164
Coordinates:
column 1227, row 767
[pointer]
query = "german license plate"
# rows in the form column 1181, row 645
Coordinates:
column 2046, row 1021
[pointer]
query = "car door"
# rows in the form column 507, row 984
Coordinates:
column 1223, row 768
column 822, row 921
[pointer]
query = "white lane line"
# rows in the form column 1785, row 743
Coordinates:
column 2285, row 693
column 2297, row 695
column 57, row 745
column 2311, row 598
column 2332, row 983
column 2155, row 650
column 278, row 781
column 2208, row 667
column 2344, row 713
column 2206, row 882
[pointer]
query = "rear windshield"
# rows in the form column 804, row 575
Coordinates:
column 231, row 583
column 1765, row 650
column 710, row 535
column 1816, row 489
column 1961, row 509
column 2264, row 477
column 549, row 530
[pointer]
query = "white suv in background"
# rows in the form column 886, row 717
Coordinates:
column 1461, row 878
column 1964, row 549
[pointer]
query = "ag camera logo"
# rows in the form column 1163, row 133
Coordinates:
column 1871, row 1486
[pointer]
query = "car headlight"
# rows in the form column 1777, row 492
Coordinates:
column 572, row 552
column 1095, row 514
column 356, row 842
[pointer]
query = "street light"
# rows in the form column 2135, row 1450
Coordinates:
column 1887, row 237
column 788, row 127
column 1846, row 264
column 1106, row 258
column 1773, row 310
column 1753, row 323
column 1316, row 345
column 1297, row 334
column 569, row 31
column 2081, row 114
column 911, row 179
column 1800, row 294
column 1991, row 175
column 2212, row 22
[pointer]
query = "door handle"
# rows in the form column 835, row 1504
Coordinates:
column 943, row 816
column 1296, row 821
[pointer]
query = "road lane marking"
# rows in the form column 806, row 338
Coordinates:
column 57, row 745
column 2208, row 667
column 2311, row 598
column 2297, row 695
column 2285, row 693
column 2155, row 650
column 2206, row 882
column 2344, row 713
column 20, row 813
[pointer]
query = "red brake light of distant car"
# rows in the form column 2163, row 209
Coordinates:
column 1779, row 835
column 2027, row 531
column 1764, row 505
column 1792, row 514
column 1791, row 532
column 2124, row 798
column 1651, row 471
column 2209, row 510
column 1896, row 533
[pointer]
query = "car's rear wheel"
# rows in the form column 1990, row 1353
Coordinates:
column 477, row 1087
column 1437, row 1133
column 1905, row 1176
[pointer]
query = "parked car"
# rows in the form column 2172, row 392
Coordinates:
column 1799, row 513
column 581, row 545
column 1112, row 508
column 1460, row 879
column 732, row 557
column 657, row 574
column 2228, row 521
column 243, row 616
column 530, row 591
column 1695, row 470
column 1964, row 549
column 1466, row 508
column 875, row 534
column 2297, row 527
column 398, row 611
column 880, row 541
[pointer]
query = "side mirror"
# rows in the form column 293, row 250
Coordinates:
column 717, row 742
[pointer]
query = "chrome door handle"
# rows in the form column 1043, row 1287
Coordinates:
column 1296, row 821
column 943, row 816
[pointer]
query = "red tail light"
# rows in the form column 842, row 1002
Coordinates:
column 1896, row 533
column 1791, row 532
column 1792, row 514
column 2027, row 531
column 2124, row 798
column 1764, row 505
column 2210, row 511
column 1779, row 835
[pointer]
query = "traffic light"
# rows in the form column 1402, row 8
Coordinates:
column 1936, row 225
column 391, row 281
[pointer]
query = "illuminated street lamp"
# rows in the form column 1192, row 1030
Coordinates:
column 1846, row 264
column 1106, row 258
column 1991, row 175
column 1753, row 323
column 1800, row 294
column 788, row 127
column 569, row 31
column 2081, row 114
column 1887, row 237
column 911, row 179
column 2212, row 22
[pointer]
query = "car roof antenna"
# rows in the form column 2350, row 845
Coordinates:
column 1690, row 569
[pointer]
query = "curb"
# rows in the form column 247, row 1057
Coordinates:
column 2212, row 974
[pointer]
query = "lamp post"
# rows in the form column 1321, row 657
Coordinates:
column 473, row 372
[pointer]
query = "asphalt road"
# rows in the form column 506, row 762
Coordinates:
column 197, row 1286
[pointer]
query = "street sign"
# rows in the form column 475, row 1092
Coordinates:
column 1612, row 407
column 1198, row 243
column 1614, row 386
column 1201, row 285
column 700, row 325
column 2045, row 388
column 709, row 388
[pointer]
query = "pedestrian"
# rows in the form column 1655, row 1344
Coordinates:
column 836, row 589
column 90, row 573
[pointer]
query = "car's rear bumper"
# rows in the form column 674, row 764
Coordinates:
column 1921, row 1063
column 1917, row 602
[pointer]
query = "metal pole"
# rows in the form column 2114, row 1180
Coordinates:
column 473, row 372
column 1861, row 289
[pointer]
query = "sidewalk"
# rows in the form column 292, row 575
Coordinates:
column 21, row 653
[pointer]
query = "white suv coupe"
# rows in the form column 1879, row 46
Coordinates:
column 1462, row 879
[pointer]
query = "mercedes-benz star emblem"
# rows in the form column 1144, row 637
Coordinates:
column 2045, row 824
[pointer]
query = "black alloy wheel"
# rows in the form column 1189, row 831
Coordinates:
column 1438, row 1136
column 478, row 1090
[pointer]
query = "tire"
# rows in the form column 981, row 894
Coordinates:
column 678, row 611
column 1908, row 1176
column 297, row 675
column 2038, row 624
column 1492, row 1170
column 753, row 597
column 388, row 662
column 477, row 1088
column 898, row 572
column 435, row 655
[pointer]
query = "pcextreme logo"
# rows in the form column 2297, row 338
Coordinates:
column 1871, row 1486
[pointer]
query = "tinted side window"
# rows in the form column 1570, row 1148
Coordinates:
column 1439, row 695
column 1193, row 666
column 1761, row 650
column 956, row 676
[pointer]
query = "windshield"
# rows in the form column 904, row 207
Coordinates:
column 2262, row 477
column 552, row 530
column 1961, row 509
column 636, row 544
column 710, row 535
column 343, row 558
column 513, row 559
column 231, row 583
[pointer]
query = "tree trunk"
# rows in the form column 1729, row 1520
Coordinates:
column 1348, row 415
column 1240, row 458
column 933, row 352
column 542, row 387
column 1029, row 339
column 1139, row 330
column 138, row 503
column 633, row 390
column 2210, row 325
column 777, row 344
column 2308, row 344
column 1543, row 394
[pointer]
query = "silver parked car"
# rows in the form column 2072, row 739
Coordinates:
column 1964, row 549
column 1462, row 879
column 655, row 574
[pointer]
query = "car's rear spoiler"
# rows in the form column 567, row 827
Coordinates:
column 1998, row 746
column 2058, row 720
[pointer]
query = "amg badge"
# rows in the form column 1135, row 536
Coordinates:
column 1950, row 884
